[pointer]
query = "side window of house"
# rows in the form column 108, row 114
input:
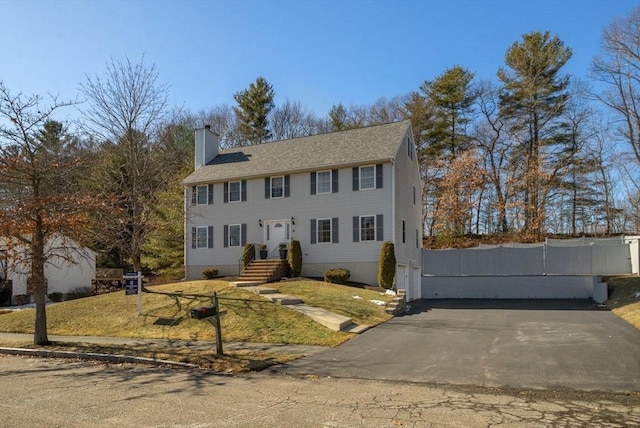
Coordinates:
column 404, row 232
column 235, row 191
column 368, row 228
column 324, row 182
column 367, row 177
column 410, row 148
column 324, row 230
column 202, row 237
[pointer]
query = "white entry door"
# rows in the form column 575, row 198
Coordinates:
column 276, row 232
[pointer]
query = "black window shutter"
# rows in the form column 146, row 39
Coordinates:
column 210, row 236
column 226, row 192
column 313, row 230
column 313, row 183
column 334, row 181
column 334, row 230
column 379, row 176
column 243, row 232
column 356, row 229
column 356, row 179
column 379, row 228
column 210, row 194
column 226, row 235
column 267, row 187
column 287, row 186
column 194, row 199
column 244, row 190
column 194, row 237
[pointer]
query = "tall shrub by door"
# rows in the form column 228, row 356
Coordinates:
column 387, row 265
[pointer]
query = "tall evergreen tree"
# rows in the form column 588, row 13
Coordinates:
column 533, row 96
column 452, row 96
column 252, row 112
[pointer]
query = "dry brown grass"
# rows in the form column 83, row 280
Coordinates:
column 235, row 361
column 624, row 298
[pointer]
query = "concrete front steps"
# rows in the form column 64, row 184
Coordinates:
column 322, row 316
column 262, row 271
column 398, row 304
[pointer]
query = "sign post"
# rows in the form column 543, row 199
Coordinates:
column 133, row 285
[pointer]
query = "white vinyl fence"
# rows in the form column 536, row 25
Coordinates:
column 555, row 269
column 554, row 257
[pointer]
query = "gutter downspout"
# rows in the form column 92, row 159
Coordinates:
column 185, row 235
column 393, row 201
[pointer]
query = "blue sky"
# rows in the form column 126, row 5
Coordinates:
column 320, row 52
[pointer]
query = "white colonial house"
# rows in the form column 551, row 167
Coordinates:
column 69, row 268
column 339, row 194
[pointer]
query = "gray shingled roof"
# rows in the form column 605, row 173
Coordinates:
column 357, row 146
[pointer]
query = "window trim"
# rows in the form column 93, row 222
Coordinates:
column 360, row 169
column 282, row 183
column 330, row 181
column 205, row 201
column 361, row 229
column 239, row 182
column 330, row 220
column 205, row 241
column 239, row 235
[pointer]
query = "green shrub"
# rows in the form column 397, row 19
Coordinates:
column 56, row 296
column 295, row 258
column 248, row 254
column 387, row 265
column 210, row 273
column 337, row 276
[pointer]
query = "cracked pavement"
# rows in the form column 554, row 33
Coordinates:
column 57, row 393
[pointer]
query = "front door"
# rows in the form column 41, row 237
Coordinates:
column 276, row 232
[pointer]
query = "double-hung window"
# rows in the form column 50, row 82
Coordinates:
column 367, row 177
column 202, row 195
column 277, row 186
column 234, row 235
column 368, row 228
column 324, row 182
column 234, row 191
column 324, row 230
column 201, row 237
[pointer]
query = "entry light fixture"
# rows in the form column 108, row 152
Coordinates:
column 293, row 221
column 260, row 222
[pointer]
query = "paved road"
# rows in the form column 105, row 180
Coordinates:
column 521, row 344
column 55, row 393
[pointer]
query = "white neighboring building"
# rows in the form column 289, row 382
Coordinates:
column 69, row 268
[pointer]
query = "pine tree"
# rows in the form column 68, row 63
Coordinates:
column 252, row 112
column 533, row 97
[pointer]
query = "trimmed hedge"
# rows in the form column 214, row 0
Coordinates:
column 387, row 265
column 337, row 276
column 295, row 258
column 210, row 273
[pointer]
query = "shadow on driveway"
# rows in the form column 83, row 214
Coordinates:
column 540, row 344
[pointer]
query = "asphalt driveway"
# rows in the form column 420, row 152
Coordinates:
column 541, row 344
